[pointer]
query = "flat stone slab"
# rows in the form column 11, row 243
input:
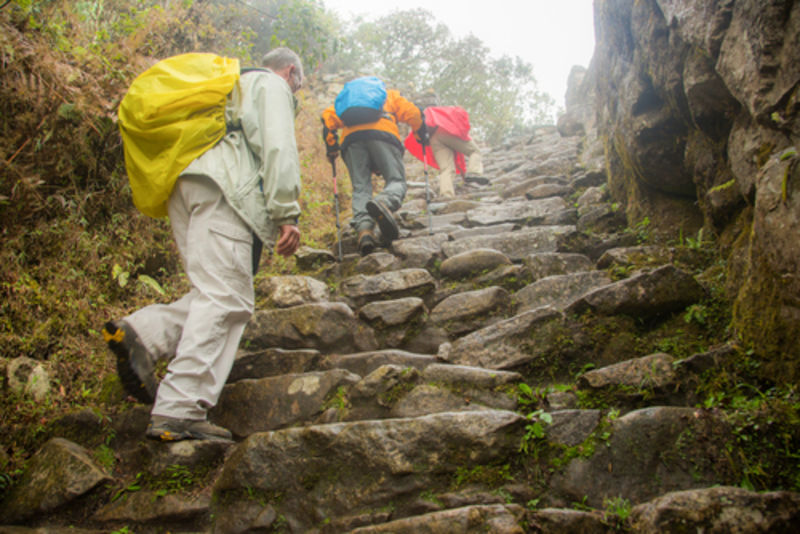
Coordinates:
column 364, row 363
column 377, row 262
column 60, row 472
column 494, row 229
column 572, row 427
column 487, row 518
column 516, row 245
column 472, row 262
column 470, row 376
column 151, row 507
column 718, row 509
column 420, row 252
column 342, row 467
column 324, row 326
column 503, row 345
column 519, row 189
column 559, row 291
column 563, row 520
column 469, row 309
column 272, row 362
column 390, row 285
column 645, row 255
column 251, row 406
column 653, row 371
column 393, row 312
column 286, row 291
column 529, row 213
column 664, row 290
column 649, row 452
column 392, row 391
column 545, row 264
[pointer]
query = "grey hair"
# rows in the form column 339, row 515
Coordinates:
column 280, row 58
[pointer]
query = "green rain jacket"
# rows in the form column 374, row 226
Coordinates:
column 256, row 164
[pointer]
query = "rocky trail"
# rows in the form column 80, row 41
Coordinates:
column 484, row 376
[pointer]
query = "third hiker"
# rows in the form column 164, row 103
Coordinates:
column 448, row 127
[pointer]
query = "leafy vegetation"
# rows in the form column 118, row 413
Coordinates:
column 75, row 250
column 413, row 50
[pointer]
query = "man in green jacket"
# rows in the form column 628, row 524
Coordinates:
column 241, row 191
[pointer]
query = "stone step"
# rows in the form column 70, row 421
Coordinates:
column 476, row 519
column 413, row 386
column 312, row 475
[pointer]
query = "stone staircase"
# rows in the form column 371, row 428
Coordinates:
column 484, row 375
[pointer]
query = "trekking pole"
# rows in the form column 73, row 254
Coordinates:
column 336, row 203
column 427, row 190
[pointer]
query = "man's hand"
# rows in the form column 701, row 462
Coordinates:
column 288, row 241
column 422, row 136
column 333, row 153
column 331, row 140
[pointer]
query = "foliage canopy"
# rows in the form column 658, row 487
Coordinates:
column 412, row 49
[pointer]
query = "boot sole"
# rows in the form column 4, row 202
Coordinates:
column 128, row 376
column 385, row 220
column 166, row 435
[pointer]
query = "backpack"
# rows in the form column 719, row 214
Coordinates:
column 172, row 113
column 361, row 101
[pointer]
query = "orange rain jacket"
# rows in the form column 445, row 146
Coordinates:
column 397, row 109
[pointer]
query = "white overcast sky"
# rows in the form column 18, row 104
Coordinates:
column 551, row 35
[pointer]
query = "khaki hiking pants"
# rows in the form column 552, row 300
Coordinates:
column 444, row 147
column 203, row 328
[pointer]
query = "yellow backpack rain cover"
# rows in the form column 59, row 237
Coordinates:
column 172, row 113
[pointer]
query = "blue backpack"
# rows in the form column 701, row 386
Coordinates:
column 361, row 101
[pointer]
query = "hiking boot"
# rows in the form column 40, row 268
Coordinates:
column 134, row 364
column 389, row 229
column 162, row 428
column 366, row 242
column 471, row 177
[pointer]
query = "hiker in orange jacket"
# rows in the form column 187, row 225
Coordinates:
column 374, row 147
column 448, row 127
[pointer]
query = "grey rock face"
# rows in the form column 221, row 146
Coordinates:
column 272, row 362
column 251, row 406
column 59, row 472
column 322, row 326
column 420, row 252
column 516, row 245
column 365, row 462
column 500, row 345
column 644, row 458
column 26, row 376
column 528, row 213
column 364, row 363
column 654, row 371
column 473, row 262
column 664, row 290
column 393, row 312
column 469, row 520
column 719, row 509
column 468, row 310
column 559, row 291
column 152, row 507
column 286, row 291
column 553, row 263
column 395, row 284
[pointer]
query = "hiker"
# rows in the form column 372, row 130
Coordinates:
column 373, row 146
column 242, row 190
column 448, row 127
